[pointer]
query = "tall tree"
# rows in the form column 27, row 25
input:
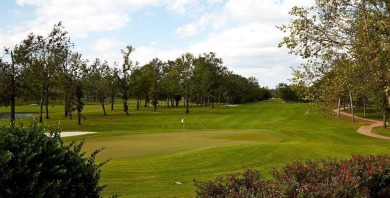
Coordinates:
column 99, row 82
column 208, row 72
column 186, row 65
column 8, row 88
column 124, row 76
column 356, row 31
column 42, row 58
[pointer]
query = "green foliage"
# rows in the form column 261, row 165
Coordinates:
column 344, row 48
column 35, row 164
column 285, row 92
column 355, row 177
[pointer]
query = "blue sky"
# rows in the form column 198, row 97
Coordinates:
column 241, row 32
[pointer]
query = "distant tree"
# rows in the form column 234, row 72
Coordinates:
column 113, row 86
column 208, row 71
column 153, row 72
column 41, row 59
column 264, row 94
column 185, row 63
column 140, row 86
column 78, row 72
column 8, row 88
column 285, row 92
column 124, row 76
column 99, row 81
column 171, row 83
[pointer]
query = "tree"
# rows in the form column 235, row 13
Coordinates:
column 41, row 59
column 286, row 93
column 78, row 74
column 124, row 76
column 171, row 82
column 8, row 89
column 347, row 38
column 99, row 82
column 34, row 164
column 186, row 65
column 208, row 71
column 153, row 72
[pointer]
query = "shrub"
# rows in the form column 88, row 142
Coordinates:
column 356, row 177
column 33, row 164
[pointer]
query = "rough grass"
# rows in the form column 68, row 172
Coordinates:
column 150, row 151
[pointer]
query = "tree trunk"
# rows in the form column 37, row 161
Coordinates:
column 79, row 114
column 338, row 108
column 155, row 103
column 385, row 111
column 112, row 100
column 40, row 110
column 343, row 105
column 103, row 107
column 146, row 101
column 66, row 106
column 125, row 106
column 12, row 121
column 364, row 106
column 187, row 104
column 351, row 107
column 47, row 105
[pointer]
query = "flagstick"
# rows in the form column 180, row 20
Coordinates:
column 184, row 132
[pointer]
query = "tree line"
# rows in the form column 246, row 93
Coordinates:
column 345, row 48
column 42, row 69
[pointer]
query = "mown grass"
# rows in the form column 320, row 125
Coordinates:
column 150, row 151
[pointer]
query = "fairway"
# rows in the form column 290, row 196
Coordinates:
column 150, row 151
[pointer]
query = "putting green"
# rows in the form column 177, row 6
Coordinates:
column 144, row 145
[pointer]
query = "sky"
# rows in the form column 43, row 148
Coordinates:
column 241, row 32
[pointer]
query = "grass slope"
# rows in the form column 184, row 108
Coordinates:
column 150, row 151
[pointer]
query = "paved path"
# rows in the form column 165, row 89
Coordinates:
column 366, row 130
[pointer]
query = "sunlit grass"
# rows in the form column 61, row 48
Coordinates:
column 150, row 151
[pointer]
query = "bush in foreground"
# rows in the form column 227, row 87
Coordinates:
column 356, row 177
column 33, row 164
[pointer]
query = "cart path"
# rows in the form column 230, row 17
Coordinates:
column 367, row 130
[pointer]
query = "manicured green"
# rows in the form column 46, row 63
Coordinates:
column 150, row 151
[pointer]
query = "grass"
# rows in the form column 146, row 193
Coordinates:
column 150, row 151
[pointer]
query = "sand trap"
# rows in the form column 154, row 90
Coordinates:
column 74, row 133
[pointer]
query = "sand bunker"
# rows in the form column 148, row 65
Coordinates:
column 74, row 133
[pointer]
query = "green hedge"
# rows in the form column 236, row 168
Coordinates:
column 34, row 164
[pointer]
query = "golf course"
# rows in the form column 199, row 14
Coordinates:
column 159, row 154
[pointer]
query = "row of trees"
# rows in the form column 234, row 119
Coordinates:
column 42, row 69
column 345, row 45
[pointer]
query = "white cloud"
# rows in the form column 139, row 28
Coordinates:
column 270, row 76
column 106, row 49
column 147, row 53
column 29, row 2
column 82, row 17
column 242, row 32
column 180, row 6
